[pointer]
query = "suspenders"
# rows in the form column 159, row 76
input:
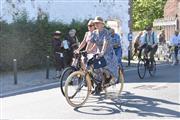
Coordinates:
column 152, row 37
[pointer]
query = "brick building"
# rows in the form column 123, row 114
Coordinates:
column 171, row 19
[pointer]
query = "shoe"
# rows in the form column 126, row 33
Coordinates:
column 97, row 90
column 107, row 80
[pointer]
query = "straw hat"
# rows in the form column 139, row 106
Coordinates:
column 98, row 20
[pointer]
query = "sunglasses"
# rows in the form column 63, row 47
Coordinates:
column 90, row 25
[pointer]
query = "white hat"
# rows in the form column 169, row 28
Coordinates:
column 57, row 32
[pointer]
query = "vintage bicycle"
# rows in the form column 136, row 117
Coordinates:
column 145, row 64
column 79, row 84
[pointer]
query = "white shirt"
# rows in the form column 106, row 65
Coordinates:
column 175, row 40
column 149, row 40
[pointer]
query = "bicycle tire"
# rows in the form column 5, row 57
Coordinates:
column 78, row 89
column 141, row 63
column 118, row 87
column 64, row 77
column 153, row 72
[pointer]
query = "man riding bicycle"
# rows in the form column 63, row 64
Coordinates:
column 149, row 43
column 175, row 42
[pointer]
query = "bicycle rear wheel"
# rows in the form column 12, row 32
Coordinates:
column 66, row 72
column 141, row 68
column 115, row 89
column 152, row 71
column 77, row 89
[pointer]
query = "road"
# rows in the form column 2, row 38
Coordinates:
column 151, row 98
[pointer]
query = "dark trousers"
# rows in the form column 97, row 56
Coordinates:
column 68, row 55
column 59, row 64
column 150, row 50
column 176, row 52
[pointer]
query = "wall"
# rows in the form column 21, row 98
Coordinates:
column 171, row 9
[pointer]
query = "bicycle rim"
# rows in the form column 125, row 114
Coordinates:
column 141, row 69
column 153, row 71
column 115, row 90
column 77, row 89
column 66, row 72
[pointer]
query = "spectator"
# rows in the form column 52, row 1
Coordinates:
column 137, row 43
column 162, row 40
column 116, row 41
column 58, row 53
column 73, row 44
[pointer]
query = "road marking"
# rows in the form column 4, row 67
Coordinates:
column 51, row 84
column 153, row 86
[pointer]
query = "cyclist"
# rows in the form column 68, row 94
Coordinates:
column 101, row 39
column 137, row 43
column 150, row 44
column 175, row 41
column 86, row 40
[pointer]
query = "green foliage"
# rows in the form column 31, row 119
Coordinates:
column 145, row 11
column 29, row 41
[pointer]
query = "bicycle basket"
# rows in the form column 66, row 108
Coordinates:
column 97, row 62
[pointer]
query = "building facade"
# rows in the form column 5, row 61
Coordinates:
column 171, row 19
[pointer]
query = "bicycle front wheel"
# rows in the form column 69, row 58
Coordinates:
column 77, row 88
column 152, row 71
column 141, row 68
column 115, row 89
column 66, row 72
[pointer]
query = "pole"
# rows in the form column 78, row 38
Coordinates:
column 15, row 71
column 47, row 67
column 129, row 56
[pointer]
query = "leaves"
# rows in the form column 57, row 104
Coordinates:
column 145, row 11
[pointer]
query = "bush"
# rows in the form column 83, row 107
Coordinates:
column 29, row 41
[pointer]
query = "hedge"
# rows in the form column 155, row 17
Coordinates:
column 29, row 41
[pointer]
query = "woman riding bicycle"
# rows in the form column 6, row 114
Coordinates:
column 100, row 38
column 86, row 40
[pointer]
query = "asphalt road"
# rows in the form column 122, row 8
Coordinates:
column 150, row 98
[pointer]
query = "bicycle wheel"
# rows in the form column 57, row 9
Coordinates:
column 67, row 71
column 141, row 68
column 115, row 88
column 152, row 71
column 77, row 88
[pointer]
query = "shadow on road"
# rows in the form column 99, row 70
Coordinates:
column 168, row 74
column 131, row 103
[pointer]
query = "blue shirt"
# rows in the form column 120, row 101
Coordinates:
column 116, row 39
column 175, row 40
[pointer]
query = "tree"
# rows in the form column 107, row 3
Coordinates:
column 145, row 11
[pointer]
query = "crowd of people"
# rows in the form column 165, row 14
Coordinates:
column 107, row 43
column 97, row 40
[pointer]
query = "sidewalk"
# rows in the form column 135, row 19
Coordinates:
column 32, row 78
